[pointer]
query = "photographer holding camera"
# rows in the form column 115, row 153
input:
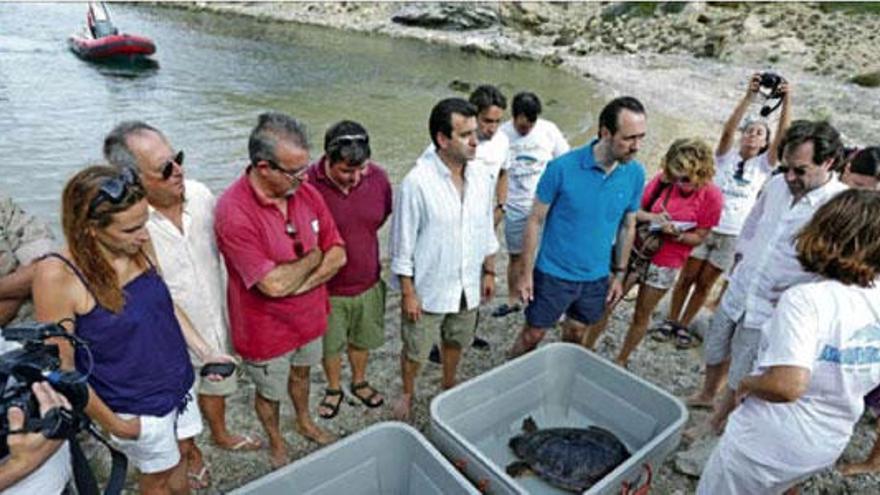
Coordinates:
column 105, row 289
column 35, row 464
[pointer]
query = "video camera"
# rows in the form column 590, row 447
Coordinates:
column 770, row 88
column 38, row 361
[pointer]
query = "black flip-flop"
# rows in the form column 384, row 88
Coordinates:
column 334, row 408
column 505, row 309
column 663, row 332
column 685, row 338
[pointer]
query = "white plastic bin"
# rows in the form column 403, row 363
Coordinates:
column 386, row 458
column 559, row 385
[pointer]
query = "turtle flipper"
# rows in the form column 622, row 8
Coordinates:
column 518, row 468
column 529, row 425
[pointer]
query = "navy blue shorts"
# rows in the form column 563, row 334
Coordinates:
column 580, row 301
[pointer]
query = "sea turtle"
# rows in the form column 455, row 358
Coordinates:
column 569, row 458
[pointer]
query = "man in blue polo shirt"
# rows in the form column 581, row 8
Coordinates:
column 585, row 199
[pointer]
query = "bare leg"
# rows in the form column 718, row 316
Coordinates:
column 529, row 338
column 645, row 303
column 594, row 331
column 723, row 408
column 714, row 379
column 686, row 280
column 161, row 483
column 333, row 370
column 177, row 480
column 451, row 354
column 573, row 331
column 870, row 465
column 713, row 305
column 514, row 269
column 708, row 275
column 213, row 409
column 298, row 388
column 409, row 370
column 196, row 474
column 267, row 413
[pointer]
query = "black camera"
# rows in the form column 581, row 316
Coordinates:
column 770, row 83
column 38, row 361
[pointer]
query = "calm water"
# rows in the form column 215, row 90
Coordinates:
column 216, row 75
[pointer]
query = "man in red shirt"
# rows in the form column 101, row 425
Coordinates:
column 281, row 246
column 358, row 194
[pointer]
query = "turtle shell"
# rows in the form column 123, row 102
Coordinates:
column 570, row 458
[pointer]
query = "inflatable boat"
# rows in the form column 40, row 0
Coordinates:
column 100, row 39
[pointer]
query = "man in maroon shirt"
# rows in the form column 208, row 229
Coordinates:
column 281, row 246
column 358, row 194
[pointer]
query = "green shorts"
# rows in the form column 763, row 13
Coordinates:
column 223, row 388
column 271, row 376
column 453, row 328
column 357, row 320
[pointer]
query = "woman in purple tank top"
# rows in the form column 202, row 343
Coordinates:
column 106, row 288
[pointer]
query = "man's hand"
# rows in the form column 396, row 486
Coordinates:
column 127, row 429
column 411, row 307
column 741, row 392
column 487, row 287
column 615, row 291
column 218, row 358
column 670, row 229
column 525, row 287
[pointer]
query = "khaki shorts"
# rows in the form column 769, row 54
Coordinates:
column 717, row 249
column 271, row 376
column 660, row 277
column 453, row 328
column 357, row 320
column 223, row 388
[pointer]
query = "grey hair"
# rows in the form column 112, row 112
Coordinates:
column 271, row 128
column 116, row 150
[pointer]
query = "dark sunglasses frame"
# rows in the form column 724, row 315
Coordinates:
column 348, row 139
column 298, row 247
column 297, row 175
column 168, row 167
column 114, row 189
column 798, row 171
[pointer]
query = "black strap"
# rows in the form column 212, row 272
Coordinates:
column 657, row 193
column 83, row 476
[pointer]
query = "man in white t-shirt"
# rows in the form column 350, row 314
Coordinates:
column 492, row 146
column 819, row 356
column 181, row 226
column 533, row 143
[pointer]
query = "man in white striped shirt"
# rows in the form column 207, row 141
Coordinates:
column 442, row 246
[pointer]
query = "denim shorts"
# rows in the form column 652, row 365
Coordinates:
column 583, row 302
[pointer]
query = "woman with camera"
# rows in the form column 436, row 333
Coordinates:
column 682, row 205
column 105, row 288
column 818, row 359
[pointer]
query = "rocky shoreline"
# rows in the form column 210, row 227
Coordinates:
column 689, row 60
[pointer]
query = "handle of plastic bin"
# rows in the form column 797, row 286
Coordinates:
column 627, row 488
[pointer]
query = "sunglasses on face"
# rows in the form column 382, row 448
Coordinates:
column 114, row 189
column 168, row 166
column 298, row 248
column 293, row 175
column 798, row 171
column 684, row 179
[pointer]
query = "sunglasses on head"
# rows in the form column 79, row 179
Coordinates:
column 348, row 139
column 290, row 174
column 168, row 166
column 114, row 189
column 798, row 171
column 298, row 248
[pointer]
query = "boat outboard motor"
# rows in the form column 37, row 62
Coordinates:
column 769, row 88
column 99, row 21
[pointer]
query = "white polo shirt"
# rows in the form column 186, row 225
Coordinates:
column 191, row 265
column 832, row 330
column 740, row 192
column 769, row 264
column 440, row 237
column 528, row 158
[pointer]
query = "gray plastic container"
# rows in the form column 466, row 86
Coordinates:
column 386, row 458
column 559, row 385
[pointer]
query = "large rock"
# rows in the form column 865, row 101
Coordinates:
column 868, row 79
column 449, row 16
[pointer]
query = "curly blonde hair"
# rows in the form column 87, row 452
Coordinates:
column 690, row 157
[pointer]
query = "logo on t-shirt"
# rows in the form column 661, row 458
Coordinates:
column 863, row 347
